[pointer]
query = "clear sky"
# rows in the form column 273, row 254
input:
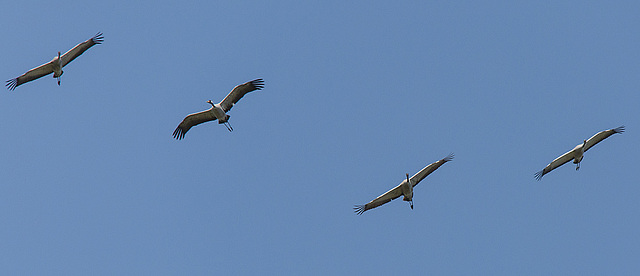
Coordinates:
column 357, row 93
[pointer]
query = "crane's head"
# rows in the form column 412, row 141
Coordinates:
column 210, row 102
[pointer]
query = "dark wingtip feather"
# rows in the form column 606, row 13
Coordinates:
column 449, row 157
column 98, row 38
column 538, row 175
column 178, row 133
column 359, row 209
column 619, row 129
column 11, row 84
column 258, row 83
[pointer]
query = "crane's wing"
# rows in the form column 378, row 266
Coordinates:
column 384, row 198
column 416, row 178
column 193, row 120
column 35, row 73
column 555, row 163
column 601, row 136
column 239, row 91
column 80, row 48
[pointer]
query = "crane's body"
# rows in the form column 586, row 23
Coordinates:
column 56, row 66
column 407, row 191
column 578, row 154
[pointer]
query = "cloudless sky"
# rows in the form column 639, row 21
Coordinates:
column 357, row 93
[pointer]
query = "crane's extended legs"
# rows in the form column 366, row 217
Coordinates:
column 228, row 125
column 578, row 167
column 411, row 202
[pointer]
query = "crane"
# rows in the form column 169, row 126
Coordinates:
column 404, row 189
column 56, row 64
column 218, row 111
column 577, row 153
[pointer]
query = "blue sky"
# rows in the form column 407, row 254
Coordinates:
column 356, row 95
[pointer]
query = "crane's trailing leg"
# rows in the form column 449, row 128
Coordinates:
column 228, row 125
column 578, row 166
column 411, row 202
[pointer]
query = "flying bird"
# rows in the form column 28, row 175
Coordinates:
column 404, row 189
column 55, row 66
column 576, row 154
column 218, row 111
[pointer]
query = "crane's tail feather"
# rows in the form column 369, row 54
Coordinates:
column 359, row 209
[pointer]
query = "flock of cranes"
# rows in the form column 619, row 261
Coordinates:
column 219, row 112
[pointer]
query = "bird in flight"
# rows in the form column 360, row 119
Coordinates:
column 576, row 154
column 404, row 189
column 218, row 111
column 55, row 65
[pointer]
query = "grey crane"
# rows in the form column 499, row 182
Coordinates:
column 56, row 64
column 218, row 111
column 404, row 189
column 577, row 153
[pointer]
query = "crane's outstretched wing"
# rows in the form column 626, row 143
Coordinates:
column 192, row 120
column 239, row 91
column 35, row 73
column 555, row 163
column 80, row 48
column 601, row 136
column 384, row 198
column 416, row 178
